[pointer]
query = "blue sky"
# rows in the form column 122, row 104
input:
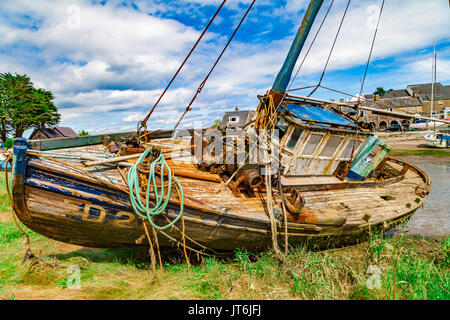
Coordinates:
column 108, row 61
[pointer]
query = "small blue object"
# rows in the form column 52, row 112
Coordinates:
column 20, row 156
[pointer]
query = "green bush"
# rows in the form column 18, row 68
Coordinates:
column 8, row 143
column 82, row 133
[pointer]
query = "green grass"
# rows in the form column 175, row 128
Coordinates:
column 9, row 232
column 429, row 152
column 4, row 199
column 411, row 268
column 402, row 134
column 408, row 268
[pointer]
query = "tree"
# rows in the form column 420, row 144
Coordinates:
column 8, row 143
column 83, row 133
column 22, row 106
column 45, row 112
column 5, row 105
column 216, row 123
column 381, row 92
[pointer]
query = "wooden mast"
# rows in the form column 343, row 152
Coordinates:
column 284, row 76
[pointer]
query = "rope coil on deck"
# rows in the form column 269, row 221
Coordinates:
column 162, row 193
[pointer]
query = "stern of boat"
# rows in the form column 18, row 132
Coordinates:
column 18, row 179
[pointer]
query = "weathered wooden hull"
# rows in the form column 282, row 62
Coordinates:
column 77, row 209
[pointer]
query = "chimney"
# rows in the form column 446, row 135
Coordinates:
column 236, row 109
column 376, row 97
column 415, row 94
column 341, row 100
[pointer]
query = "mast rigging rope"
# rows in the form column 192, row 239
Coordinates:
column 310, row 46
column 144, row 122
column 202, row 84
column 371, row 49
column 332, row 48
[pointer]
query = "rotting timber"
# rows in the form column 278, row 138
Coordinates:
column 333, row 182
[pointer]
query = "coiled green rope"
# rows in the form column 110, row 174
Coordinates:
column 160, row 193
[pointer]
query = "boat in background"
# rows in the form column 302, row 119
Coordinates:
column 425, row 124
column 439, row 138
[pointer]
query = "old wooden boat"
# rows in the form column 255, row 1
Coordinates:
column 334, row 182
column 65, row 205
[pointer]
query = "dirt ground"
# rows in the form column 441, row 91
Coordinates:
column 408, row 141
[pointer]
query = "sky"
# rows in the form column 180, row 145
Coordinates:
column 107, row 62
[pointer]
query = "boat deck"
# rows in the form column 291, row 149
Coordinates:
column 372, row 202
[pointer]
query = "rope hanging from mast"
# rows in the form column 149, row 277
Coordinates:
column 360, row 112
column 332, row 48
column 266, row 116
column 144, row 122
column 202, row 84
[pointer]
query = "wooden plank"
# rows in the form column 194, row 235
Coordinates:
column 112, row 160
column 309, row 180
column 92, row 158
column 61, row 143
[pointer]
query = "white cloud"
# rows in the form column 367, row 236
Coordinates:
column 110, row 72
column 421, row 70
column 402, row 30
column 134, row 117
column 113, row 45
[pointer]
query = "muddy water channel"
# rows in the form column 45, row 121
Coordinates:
column 433, row 220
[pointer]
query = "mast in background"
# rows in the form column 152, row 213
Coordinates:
column 433, row 78
column 433, row 81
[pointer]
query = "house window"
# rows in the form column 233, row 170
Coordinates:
column 233, row 119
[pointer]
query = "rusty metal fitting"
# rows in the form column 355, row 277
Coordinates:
column 252, row 178
column 295, row 203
